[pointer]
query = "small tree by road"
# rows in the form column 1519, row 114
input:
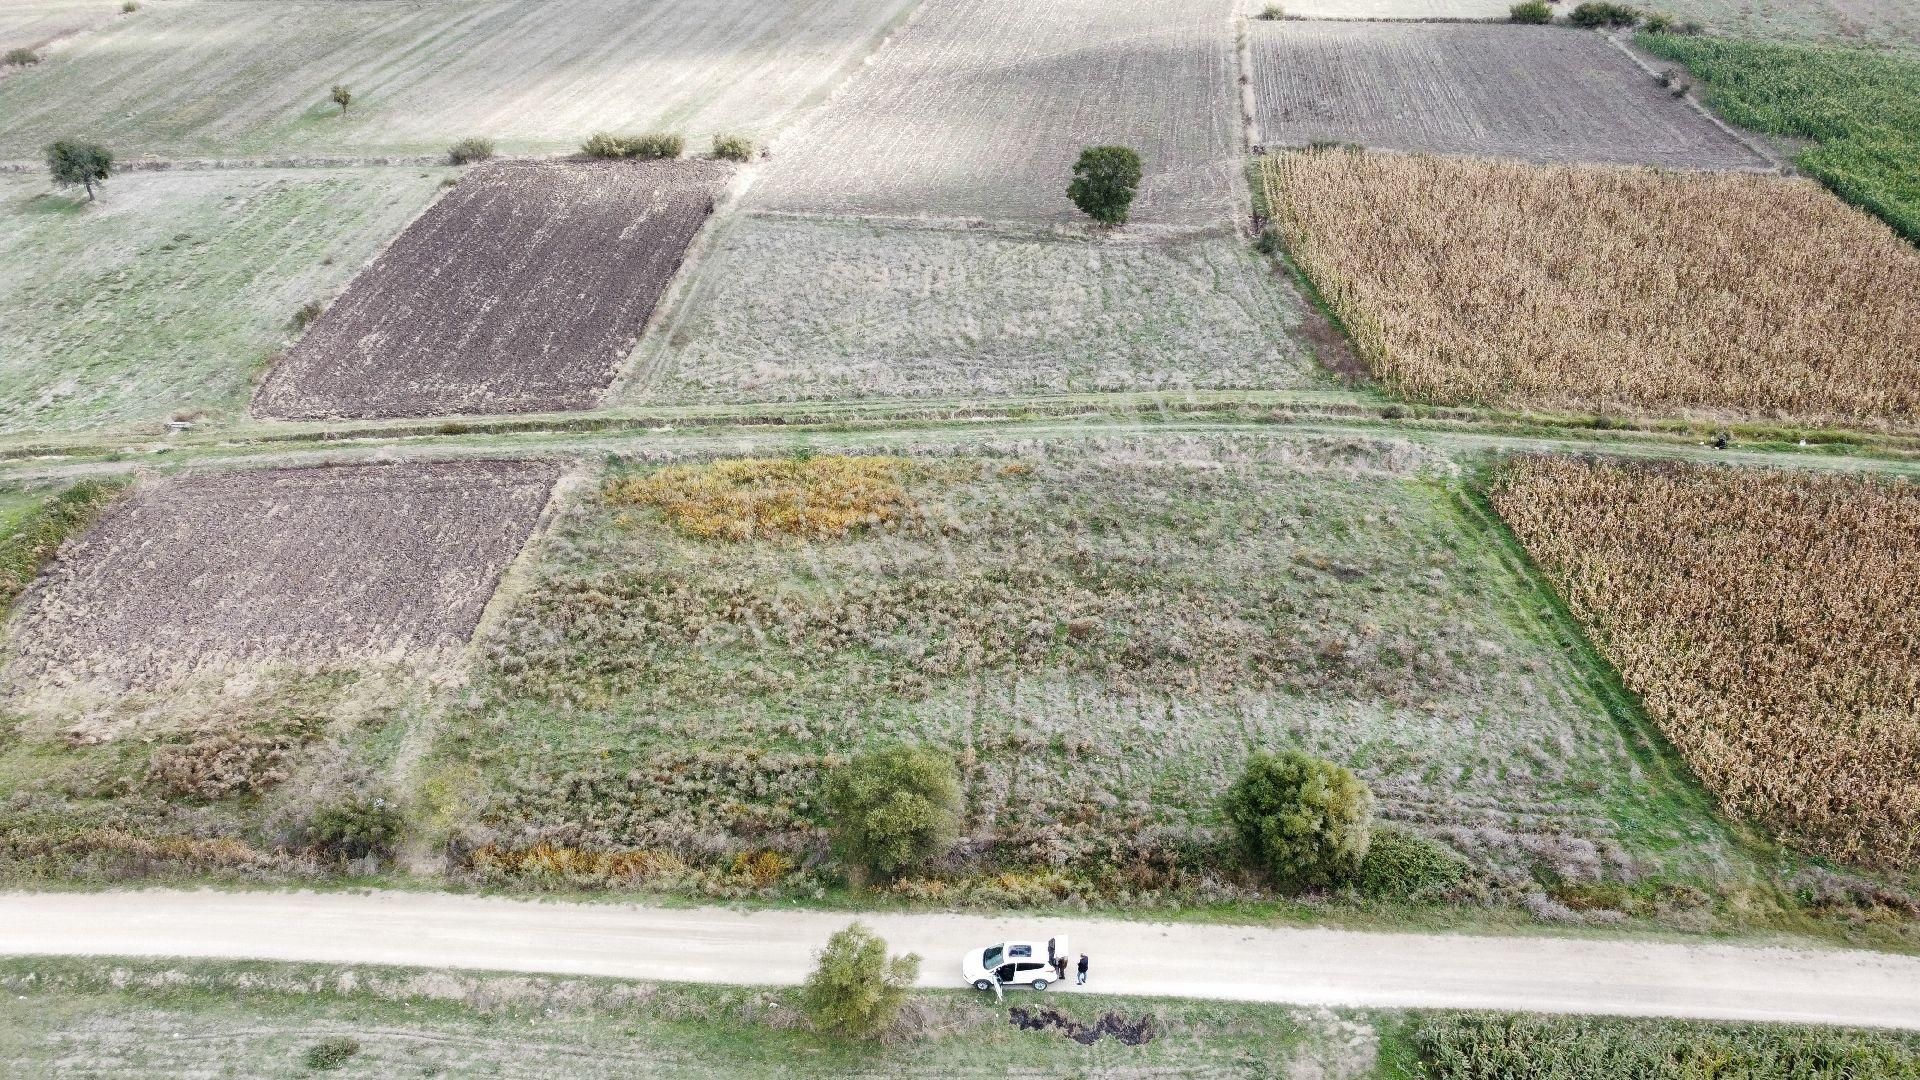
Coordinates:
column 342, row 97
column 1303, row 820
column 890, row 810
column 856, row 989
column 78, row 162
column 1104, row 182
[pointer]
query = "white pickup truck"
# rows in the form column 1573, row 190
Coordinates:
column 1014, row 963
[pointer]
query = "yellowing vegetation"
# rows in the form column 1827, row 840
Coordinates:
column 818, row 498
column 1608, row 290
column 1769, row 620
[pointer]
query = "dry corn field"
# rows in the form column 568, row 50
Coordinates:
column 1769, row 620
column 1608, row 290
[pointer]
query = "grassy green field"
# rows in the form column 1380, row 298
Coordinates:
column 164, row 297
column 1891, row 23
column 91, row 1017
column 1100, row 633
column 1861, row 108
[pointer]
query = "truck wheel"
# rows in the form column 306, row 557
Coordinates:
column 1039, row 984
column 983, row 984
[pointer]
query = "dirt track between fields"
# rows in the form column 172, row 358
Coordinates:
column 1308, row 966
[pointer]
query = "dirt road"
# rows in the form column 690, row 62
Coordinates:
column 1331, row 967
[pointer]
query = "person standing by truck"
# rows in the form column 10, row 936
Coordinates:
column 1081, row 979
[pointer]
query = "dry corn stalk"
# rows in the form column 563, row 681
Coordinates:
column 1769, row 620
column 1608, row 290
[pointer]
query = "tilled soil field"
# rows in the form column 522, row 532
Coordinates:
column 1542, row 94
column 810, row 308
column 1394, row 9
column 32, row 24
column 298, row 566
column 979, row 108
column 519, row 292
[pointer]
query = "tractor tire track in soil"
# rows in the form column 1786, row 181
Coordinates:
column 521, row 291
column 291, row 565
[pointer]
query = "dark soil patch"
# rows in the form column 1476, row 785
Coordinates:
column 521, row 291
column 1110, row 1025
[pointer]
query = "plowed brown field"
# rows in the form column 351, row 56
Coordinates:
column 1537, row 93
column 519, row 292
column 301, row 566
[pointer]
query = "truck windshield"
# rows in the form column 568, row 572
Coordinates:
column 991, row 958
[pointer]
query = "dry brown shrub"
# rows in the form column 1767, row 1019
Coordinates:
column 818, row 498
column 1769, row 620
column 1608, row 290
column 224, row 763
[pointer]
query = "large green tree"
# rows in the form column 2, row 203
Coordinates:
column 1301, row 819
column 892, row 809
column 1104, row 182
column 76, row 161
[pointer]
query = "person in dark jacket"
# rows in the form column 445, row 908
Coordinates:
column 1082, row 980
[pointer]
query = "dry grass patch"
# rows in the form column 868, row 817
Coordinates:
column 1768, row 621
column 1608, row 290
column 816, row 498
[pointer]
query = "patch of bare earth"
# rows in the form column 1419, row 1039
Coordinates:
column 1542, row 94
column 299, row 566
column 521, row 291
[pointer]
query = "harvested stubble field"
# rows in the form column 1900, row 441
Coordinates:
column 1390, row 9
column 978, row 109
column 163, row 298
column 1769, row 620
column 211, row 78
column 304, row 567
column 32, row 24
column 1608, row 290
column 1101, row 633
column 520, row 291
column 790, row 309
column 1536, row 93
column 1891, row 23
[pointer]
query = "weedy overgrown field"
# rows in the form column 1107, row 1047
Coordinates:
column 1608, row 290
column 808, row 308
column 1099, row 634
column 1769, row 620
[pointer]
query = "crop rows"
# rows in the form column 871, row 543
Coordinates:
column 1608, row 290
column 1769, row 620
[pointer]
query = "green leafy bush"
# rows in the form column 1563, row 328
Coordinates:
column 1273, row 12
column 1304, row 820
column 1105, row 180
column 73, row 162
column 355, row 828
column 1862, row 109
column 1401, row 864
column 652, row 146
column 1596, row 13
column 891, row 810
column 328, row 1054
column 1657, row 23
column 468, row 151
column 856, row 990
column 20, row 57
column 1535, row 12
column 732, row 147
column 1508, row 1046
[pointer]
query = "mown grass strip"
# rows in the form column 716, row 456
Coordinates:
column 1862, row 109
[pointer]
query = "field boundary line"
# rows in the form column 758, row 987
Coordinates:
column 1774, row 164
